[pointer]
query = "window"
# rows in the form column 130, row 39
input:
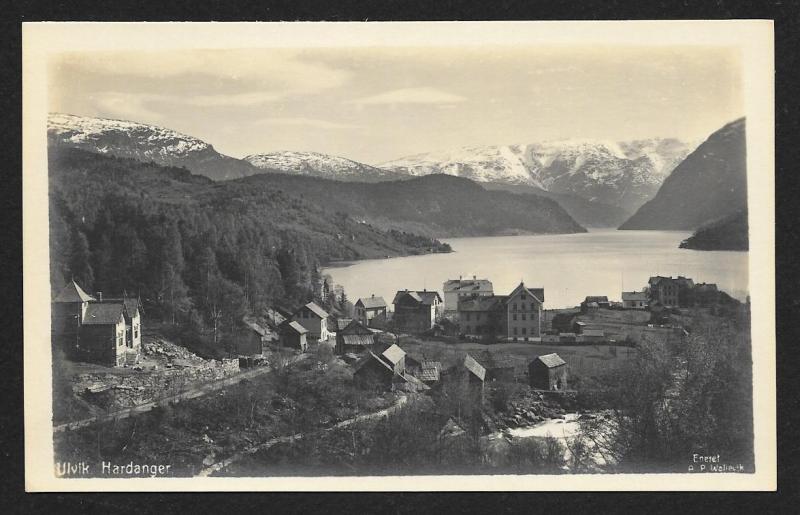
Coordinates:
column 468, row 330
column 515, row 331
column 523, row 316
column 514, row 316
column 468, row 317
column 514, row 306
column 524, row 330
column 523, row 306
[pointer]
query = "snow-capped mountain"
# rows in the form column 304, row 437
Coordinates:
column 144, row 143
column 320, row 165
column 624, row 174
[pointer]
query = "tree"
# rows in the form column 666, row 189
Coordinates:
column 80, row 260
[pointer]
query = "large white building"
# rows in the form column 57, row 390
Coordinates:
column 463, row 289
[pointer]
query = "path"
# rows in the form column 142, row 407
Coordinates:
column 191, row 393
column 297, row 436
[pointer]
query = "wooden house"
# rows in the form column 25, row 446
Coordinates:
column 314, row 319
column 548, row 372
column 524, row 313
column 370, row 310
column 416, row 311
column 634, row 300
column 395, row 357
column 96, row 330
column 293, row 336
column 355, row 337
column 253, row 339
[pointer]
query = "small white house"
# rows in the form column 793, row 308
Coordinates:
column 634, row 300
column 314, row 319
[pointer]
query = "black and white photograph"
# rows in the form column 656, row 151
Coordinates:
column 329, row 256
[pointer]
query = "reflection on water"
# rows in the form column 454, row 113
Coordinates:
column 568, row 266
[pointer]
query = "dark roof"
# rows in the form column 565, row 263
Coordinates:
column 467, row 285
column 551, row 360
column 355, row 327
column 372, row 302
column 484, row 303
column 474, row 367
column 72, row 293
column 430, row 371
column 424, row 296
column 596, row 298
column 103, row 313
column 314, row 308
column 131, row 305
column 369, row 356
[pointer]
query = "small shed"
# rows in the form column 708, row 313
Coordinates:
column 293, row 335
column 592, row 336
column 548, row 372
column 395, row 357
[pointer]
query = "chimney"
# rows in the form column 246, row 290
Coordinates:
column 474, row 277
column 100, row 296
column 373, row 295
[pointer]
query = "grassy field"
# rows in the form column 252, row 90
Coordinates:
column 583, row 360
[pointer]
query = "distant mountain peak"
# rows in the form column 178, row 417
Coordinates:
column 625, row 174
column 317, row 164
column 143, row 142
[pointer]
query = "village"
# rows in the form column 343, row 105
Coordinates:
column 424, row 343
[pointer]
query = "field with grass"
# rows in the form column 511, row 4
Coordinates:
column 584, row 361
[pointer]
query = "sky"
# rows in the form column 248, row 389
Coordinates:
column 374, row 104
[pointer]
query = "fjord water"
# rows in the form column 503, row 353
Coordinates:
column 568, row 266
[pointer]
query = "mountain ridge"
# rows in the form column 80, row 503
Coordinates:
column 710, row 184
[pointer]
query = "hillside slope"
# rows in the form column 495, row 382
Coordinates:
column 144, row 143
column 730, row 233
column 435, row 205
column 710, row 184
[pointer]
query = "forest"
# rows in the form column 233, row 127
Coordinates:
column 199, row 254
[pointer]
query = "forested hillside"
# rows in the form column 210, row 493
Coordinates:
column 198, row 252
column 730, row 233
column 436, row 205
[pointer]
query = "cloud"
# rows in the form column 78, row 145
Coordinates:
column 128, row 106
column 306, row 122
column 232, row 100
column 278, row 72
column 424, row 95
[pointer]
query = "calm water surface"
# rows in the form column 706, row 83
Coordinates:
column 568, row 266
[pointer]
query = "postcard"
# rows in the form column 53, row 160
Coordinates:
column 399, row 256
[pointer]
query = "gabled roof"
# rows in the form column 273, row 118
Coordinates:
column 393, row 354
column 314, row 308
column 634, row 295
column 370, row 356
column 355, row 327
column 490, row 360
column 262, row 331
column 537, row 293
column 296, row 327
column 423, row 297
column 72, row 293
column 596, row 298
column 474, row 367
column 551, row 360
column 372, row 302
column 103, row 313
